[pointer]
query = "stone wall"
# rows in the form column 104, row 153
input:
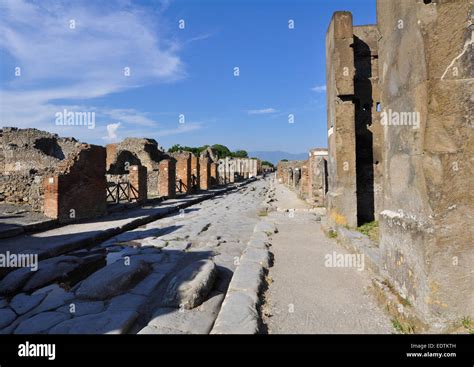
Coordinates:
column 427, row 69
column 204, row 173
column 354, row 132
column 26, row 156
column 340, row 70
column 77, row 188
column 214, row 174
column 139, row 152
column 195, row 175
column 183, row 171
column 167, row 178
column 317, row 165
column 295, row 175
column 400, row 146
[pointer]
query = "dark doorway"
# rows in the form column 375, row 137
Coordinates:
column 363, row 104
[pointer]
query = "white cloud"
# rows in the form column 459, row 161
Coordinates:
column 112, row 132
column 60, row 63
column 262, row 111
column 319, row 88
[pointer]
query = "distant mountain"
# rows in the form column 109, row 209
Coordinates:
column 276, row 156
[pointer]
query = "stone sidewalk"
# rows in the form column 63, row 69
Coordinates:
column 306, row 296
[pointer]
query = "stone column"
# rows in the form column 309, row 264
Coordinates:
column 167, row 178
column 137, row 178
column 214, row 174
column 195, row 175
column 342, row 199
column 204, row 173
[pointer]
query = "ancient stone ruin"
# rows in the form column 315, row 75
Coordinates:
column 61, row 177
column 307, row 178
column 144, row 153
column 400, row 105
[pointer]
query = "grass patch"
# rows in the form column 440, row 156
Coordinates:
column 371, row 230
column 398, row 326
column 332, row 233
column 466, row 323
column 262, row 213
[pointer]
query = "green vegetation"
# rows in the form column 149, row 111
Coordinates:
column 467, row 324
column 371, row 230
column 267, row 163
column 397, row 325
column 221, row 150
column 332, row 233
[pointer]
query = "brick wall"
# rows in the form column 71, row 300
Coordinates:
column 138, row 182
column 167, row 178
column 77, row 188
column 204, row 173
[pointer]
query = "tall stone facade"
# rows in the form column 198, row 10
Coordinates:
column 354, row 132
column 400, row 144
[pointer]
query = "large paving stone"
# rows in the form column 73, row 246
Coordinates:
column 112, row 280
column 238, row 315
column 22, row 302
column 14, row 281
column 127, row 302
column 82, row 308
column 148, row 285
column 55, row 298
column 51, row 270
column 40, row 323
column 196, row 321
column 6, row 317
column 190, row 286
column 106, row 322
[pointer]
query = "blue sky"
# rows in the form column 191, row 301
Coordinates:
column 72, row 55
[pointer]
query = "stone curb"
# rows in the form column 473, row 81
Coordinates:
column 239, row 312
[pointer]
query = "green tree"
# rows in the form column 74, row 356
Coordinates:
column 240, row 154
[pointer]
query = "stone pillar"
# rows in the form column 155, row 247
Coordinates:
column 137, row 177
column 342, row 199
column 304, row 180
column 204, row 173
column 111, row 153
column 231, row 170
column 195, row 175
column 167, row 178
column 222, row 173
column 317, row 175
column 183, row 170
column 214, row 174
